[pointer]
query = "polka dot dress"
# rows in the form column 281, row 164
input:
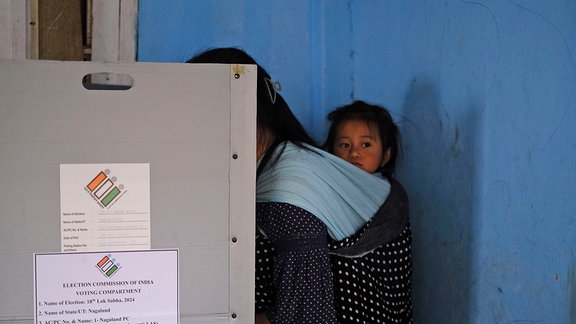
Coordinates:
column 297, row 286
column 375, row 287
column 372, row 282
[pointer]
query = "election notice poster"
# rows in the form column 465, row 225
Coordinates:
column 132, row 287
column 105, row 207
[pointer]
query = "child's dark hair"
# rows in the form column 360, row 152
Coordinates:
column 374, row 116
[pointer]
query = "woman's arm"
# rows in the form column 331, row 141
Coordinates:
column 302, row 277
column 261, row 318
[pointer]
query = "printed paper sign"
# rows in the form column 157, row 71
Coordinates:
column 131, row 287
column 104, row 207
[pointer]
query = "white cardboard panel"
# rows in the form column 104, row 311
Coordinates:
column 186, row 120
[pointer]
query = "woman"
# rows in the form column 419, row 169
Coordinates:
column 303, row 197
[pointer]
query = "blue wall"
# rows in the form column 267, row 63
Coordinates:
column 485, row 95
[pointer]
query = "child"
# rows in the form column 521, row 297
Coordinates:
column 372, row 268
column 364, row 135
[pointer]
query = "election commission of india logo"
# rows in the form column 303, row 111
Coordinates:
column 104, row 189
column 108, row 266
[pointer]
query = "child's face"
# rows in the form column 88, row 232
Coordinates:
column 360, row 145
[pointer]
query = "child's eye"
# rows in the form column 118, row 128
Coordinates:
column 344, row 145
column 366, row 144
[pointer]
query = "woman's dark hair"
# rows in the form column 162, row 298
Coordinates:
column 374, row 116
column 272, row 115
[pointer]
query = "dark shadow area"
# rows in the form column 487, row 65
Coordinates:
column 439, row 172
